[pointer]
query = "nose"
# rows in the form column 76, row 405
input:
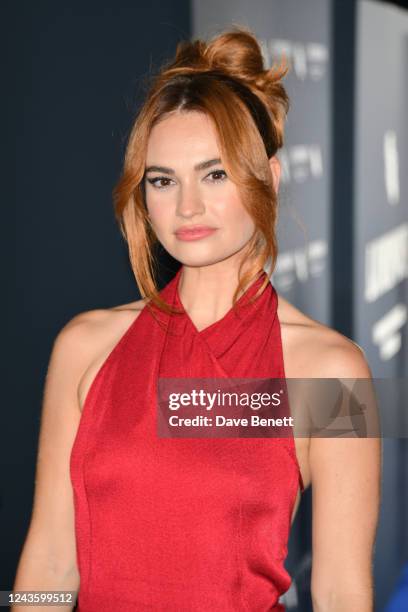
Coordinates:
column 189, row 201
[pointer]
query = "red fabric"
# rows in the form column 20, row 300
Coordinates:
column 182, row 524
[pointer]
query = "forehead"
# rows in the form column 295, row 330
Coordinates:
column 182, row 135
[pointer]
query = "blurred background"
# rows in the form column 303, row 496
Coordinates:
column 75, row 75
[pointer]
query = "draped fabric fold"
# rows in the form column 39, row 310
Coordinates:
column 182, row 524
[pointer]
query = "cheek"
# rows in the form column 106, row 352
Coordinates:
column 237, row 219
column 159, row 214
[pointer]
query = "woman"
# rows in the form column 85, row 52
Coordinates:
column 140, row 522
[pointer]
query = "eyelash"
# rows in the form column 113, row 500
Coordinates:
column 153, row 181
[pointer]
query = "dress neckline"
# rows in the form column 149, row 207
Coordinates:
column 243, row 307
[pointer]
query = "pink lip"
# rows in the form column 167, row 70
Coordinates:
column 194, row 233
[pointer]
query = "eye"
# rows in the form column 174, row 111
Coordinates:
column 156, row 179
column 220, row 173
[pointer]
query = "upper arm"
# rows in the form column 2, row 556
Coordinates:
column 346, row 481
column 51, row 528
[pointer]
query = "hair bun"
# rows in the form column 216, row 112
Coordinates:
column 237, row 53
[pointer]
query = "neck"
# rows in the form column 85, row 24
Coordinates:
column 207, row 292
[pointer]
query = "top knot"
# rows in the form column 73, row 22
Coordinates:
column 235, row 52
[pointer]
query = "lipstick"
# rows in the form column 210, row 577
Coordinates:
column 195, row 232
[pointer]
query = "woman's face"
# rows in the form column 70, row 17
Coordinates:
column 180, row 193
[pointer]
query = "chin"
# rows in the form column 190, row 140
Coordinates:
column 195, row 262
column 192, row 253
column 197, row 255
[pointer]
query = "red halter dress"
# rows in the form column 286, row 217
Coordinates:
column 182, row 525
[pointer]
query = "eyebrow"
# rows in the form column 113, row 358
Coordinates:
column 201, row 166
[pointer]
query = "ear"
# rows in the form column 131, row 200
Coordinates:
column 276, row 171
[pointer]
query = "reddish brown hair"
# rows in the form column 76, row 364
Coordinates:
column 226, row 79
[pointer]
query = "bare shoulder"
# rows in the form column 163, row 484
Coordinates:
column 93, row 334
column 315, row 350
column 92, row 329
